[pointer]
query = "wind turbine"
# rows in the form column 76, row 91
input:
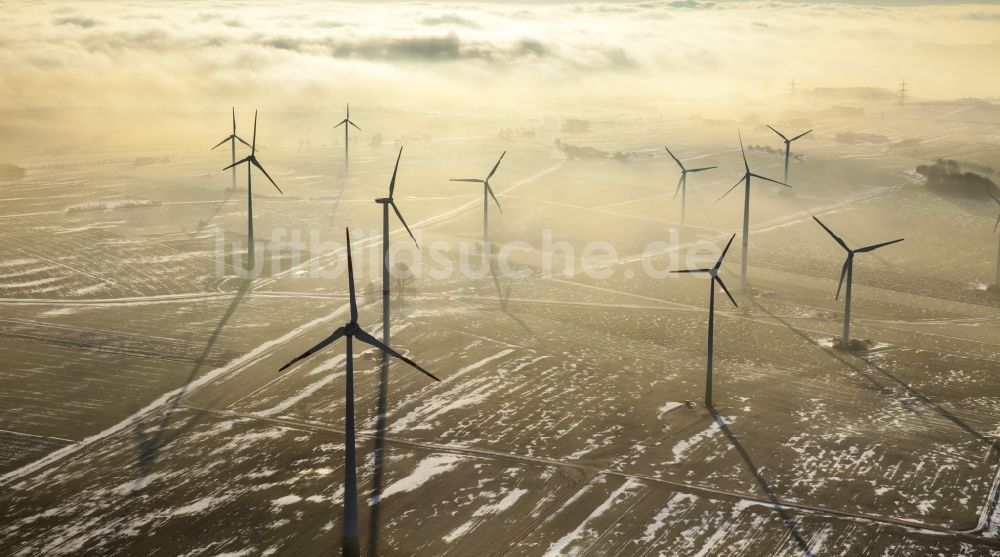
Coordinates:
column 251, row 160
column 386, row 202
column 995, row 226
column 347, row 123
column 233, row 138
column 714, row 273
column 486, row 190
column 848, row 271
column 682, row 182
column 788, row 146
column 746, row 211
column 351, row 546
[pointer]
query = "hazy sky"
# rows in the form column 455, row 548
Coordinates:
column 432, row 54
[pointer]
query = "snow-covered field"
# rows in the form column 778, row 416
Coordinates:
column 143, row 413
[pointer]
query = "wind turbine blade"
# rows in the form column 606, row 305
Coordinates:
column 830, row 232
column 489, row 189
column 237, row 163
column 770, row 180
column 876, row 246
column 495, row 166
column 673, row 157
column 323, row 344
column 342, row 122
column 254, row 146
column 221, row 142
column 702, row 168
column 350, row 278
column 738, row 182
column 234, row 120
column 353, row 124
column 392, row 182
column 240, row 139
column 723, row 285
column 777, row 132
column 261, row 168
column 367, row 338
column 997, row 224
column 476, row 180
column 743, row 151
column 692, row 271
column 800, row 135
column 724, row 251
column 843, row 273
column 400, row 215
column 679, row 182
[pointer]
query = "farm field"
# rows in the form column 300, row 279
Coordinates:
column 144, row 404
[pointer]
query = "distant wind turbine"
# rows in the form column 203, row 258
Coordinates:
column 682, row 182
column 251, row 160
column 788, row 146
column 746, row 212
column 347, row 123
column 714, row 273
column 233, row 138
column 351, row 545
column 486, row 190
column 848, row 271
column 995, row 227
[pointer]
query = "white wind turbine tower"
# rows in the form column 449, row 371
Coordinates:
column 233, row 138
column 713, row 272
column 848, row 272
column 350, row 543
column 250, row 161
column 744, row 286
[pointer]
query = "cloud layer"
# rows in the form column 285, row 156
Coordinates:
column 146, row 54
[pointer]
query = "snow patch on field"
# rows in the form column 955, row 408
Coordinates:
column 60, row 311
column 17, row 262
column 502, row 505
column 199, row 506
column 299, row 396
column 444, row 402
column 110, row 205
column 561, row 546
column 286, row 500
column 681, row 448
column 426, row 469
column 668, row 407
column 667, row 512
